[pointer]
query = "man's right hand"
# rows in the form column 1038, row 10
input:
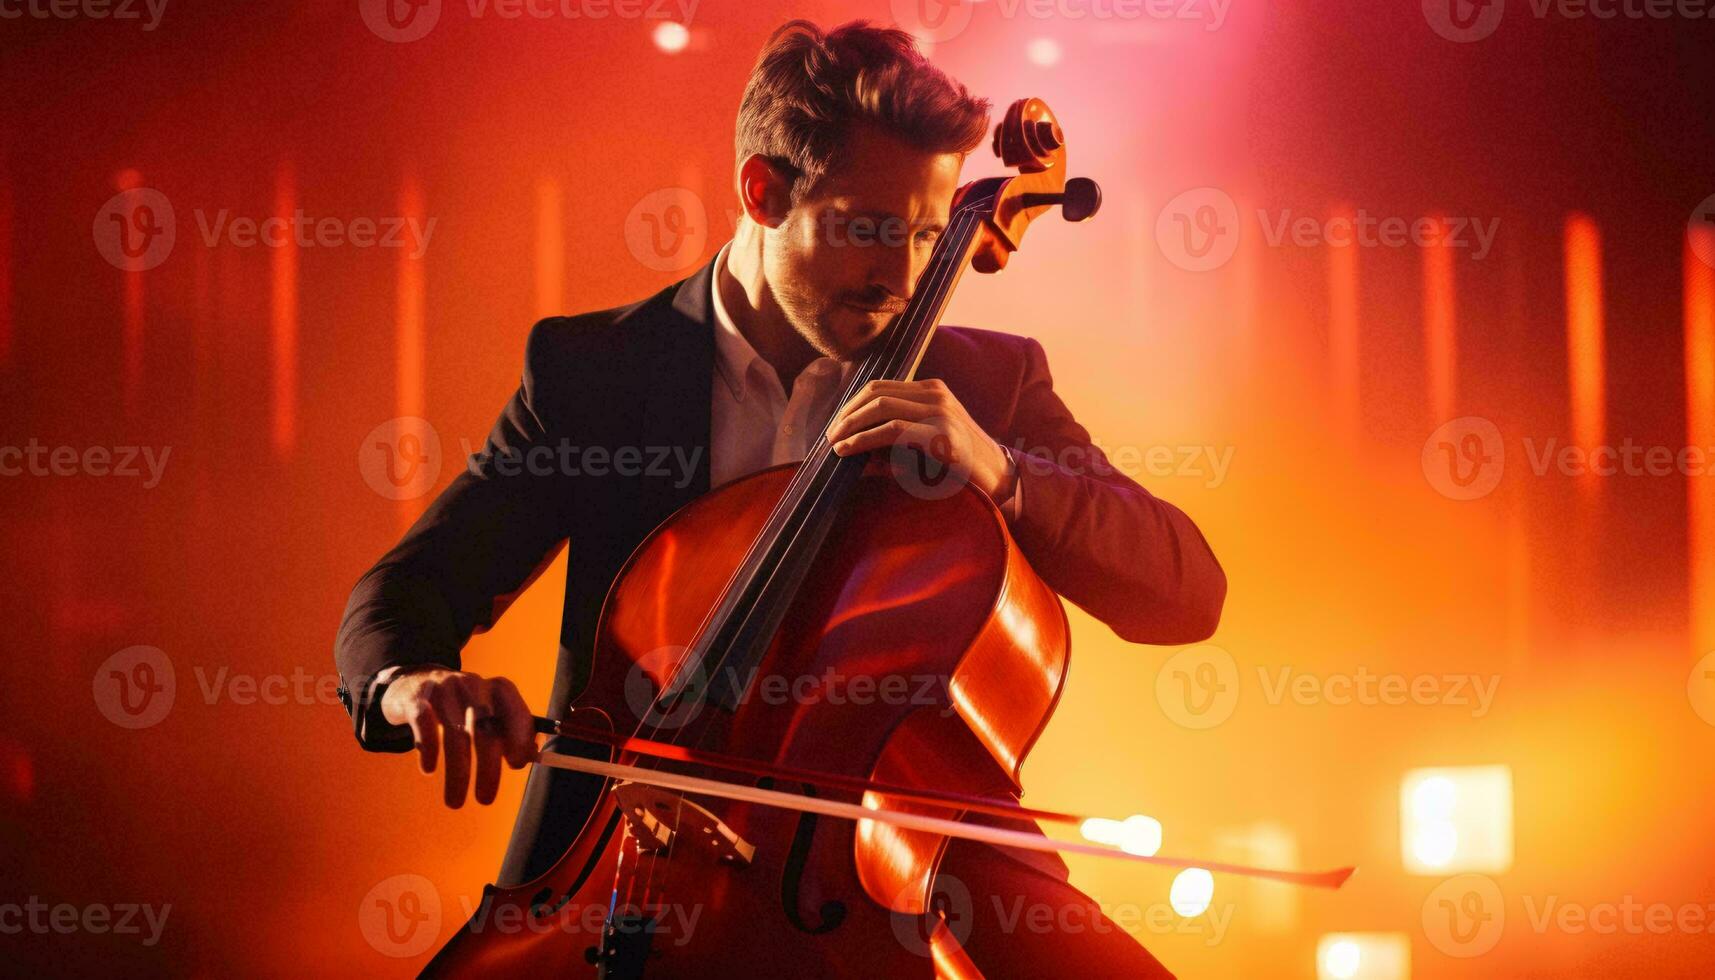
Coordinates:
column 462, row 713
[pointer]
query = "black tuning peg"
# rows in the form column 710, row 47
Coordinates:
column 1081, row 199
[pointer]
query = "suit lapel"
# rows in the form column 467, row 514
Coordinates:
column 680, row 364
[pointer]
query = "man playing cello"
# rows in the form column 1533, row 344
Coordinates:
column 849, row 150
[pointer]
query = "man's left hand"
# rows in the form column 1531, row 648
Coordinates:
column 923, row 415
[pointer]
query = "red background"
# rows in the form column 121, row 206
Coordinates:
column 530, row 141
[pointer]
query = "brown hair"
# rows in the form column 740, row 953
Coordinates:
column 808, row 88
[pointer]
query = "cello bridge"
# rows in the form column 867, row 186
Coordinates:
column 660, row 818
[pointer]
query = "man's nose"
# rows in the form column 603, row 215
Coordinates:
column 896, row 266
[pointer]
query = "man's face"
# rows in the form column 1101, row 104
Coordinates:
column 845, row 260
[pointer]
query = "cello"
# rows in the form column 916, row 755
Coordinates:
column 847, row 572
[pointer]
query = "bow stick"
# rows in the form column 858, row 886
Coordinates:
column 851, row 811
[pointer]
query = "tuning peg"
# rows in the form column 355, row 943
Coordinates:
column 1081, row 199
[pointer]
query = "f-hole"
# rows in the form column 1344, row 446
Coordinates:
column 833, row 911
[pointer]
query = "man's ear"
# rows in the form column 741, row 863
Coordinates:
column 764, row 190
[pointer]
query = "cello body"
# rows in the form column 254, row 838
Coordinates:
column 920, row 650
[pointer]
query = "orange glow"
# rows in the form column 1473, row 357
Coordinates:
column 1440, row 324
column 1343, row 324
column 550, row 249
column 283, row 316
column 1700, row 431
column 1584, row 334
column 1280, row 401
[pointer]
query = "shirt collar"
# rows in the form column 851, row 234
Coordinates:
column 735, row 358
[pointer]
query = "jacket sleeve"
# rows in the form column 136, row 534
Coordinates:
column 480, row 544
column 1133, row 561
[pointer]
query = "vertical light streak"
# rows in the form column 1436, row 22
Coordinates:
column 1585, row 344
column 131, row 338
column 135, row 299
column 1700, row 434
column 283, row 316
column 409, row 339
column 204, row 321
column 5, row 268
column 1343, row 322
column 1440, row 324
column 550, row 249
column 1247, row 272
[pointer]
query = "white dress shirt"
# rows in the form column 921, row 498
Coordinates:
column 753, row 424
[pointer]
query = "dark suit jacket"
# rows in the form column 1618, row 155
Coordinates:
column 640, row 376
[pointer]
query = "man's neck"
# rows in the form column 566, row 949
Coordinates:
column 751, row 304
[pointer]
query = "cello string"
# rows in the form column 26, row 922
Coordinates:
column 804, row 480
column 808, row 479
column 903, row 338
column 888, row 363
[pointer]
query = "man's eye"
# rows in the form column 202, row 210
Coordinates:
column 927, row 236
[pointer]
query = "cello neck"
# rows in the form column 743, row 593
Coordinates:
column 727, row 652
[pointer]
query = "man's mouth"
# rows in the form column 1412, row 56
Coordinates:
column 872, row 310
